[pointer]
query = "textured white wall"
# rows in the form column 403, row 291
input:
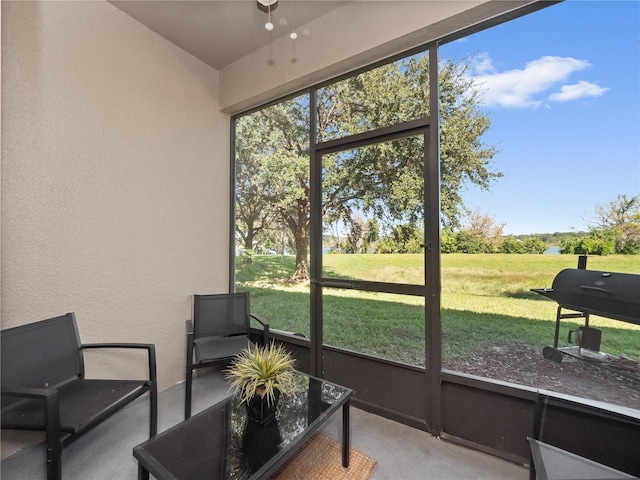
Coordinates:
column 115, row 171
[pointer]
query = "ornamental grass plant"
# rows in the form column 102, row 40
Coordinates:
column 261, row 371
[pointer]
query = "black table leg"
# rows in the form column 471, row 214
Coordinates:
column 143, row 473
column 346, row 430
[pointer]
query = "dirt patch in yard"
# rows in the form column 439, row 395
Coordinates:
column 525, row 365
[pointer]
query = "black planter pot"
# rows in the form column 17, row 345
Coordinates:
column 260, row 443
column 261, row 410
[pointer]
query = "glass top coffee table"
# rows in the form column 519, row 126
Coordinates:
column 222, row 443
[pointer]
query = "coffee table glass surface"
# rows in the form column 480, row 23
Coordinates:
column 222, row 443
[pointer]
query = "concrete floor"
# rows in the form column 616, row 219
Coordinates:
column 401, row 452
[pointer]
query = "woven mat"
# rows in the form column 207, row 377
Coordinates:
column 321, row 459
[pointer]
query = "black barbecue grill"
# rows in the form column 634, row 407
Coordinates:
column 590, row 292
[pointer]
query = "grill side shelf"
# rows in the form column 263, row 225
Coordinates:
column 547, row 292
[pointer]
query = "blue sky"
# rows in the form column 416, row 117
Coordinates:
column 562, row 89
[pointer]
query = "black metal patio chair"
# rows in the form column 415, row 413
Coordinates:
column 220, row 329
column 44, row 386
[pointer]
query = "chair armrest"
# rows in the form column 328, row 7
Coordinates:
column 189, row 327
column 265, row 326
column 148, row 346
column 151, row 351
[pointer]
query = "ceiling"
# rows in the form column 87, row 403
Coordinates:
column 219, row 32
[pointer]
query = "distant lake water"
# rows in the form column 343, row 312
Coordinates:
column 553, row 250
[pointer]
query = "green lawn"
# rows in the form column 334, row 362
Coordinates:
column 486, row 302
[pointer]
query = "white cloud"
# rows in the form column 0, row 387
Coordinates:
column 577, row 91
column 528, row 87
column 483, row 64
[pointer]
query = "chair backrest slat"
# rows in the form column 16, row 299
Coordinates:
column 41, row 354
column 221, row 315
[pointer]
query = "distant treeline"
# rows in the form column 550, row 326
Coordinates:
column 595, row 242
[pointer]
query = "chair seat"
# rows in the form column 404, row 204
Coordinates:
column 218, row 348
column 82, row 404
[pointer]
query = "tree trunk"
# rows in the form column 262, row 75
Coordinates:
column 301, row 231
column 248, row 239
column 302, row 269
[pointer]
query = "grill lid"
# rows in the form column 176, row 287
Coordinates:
column 607, row 294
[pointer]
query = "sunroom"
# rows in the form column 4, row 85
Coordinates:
column 122, row 129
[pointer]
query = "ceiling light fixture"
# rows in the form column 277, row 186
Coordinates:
column 293, row 34
column 268, row 4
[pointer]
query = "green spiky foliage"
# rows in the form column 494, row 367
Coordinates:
column 261, row 371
